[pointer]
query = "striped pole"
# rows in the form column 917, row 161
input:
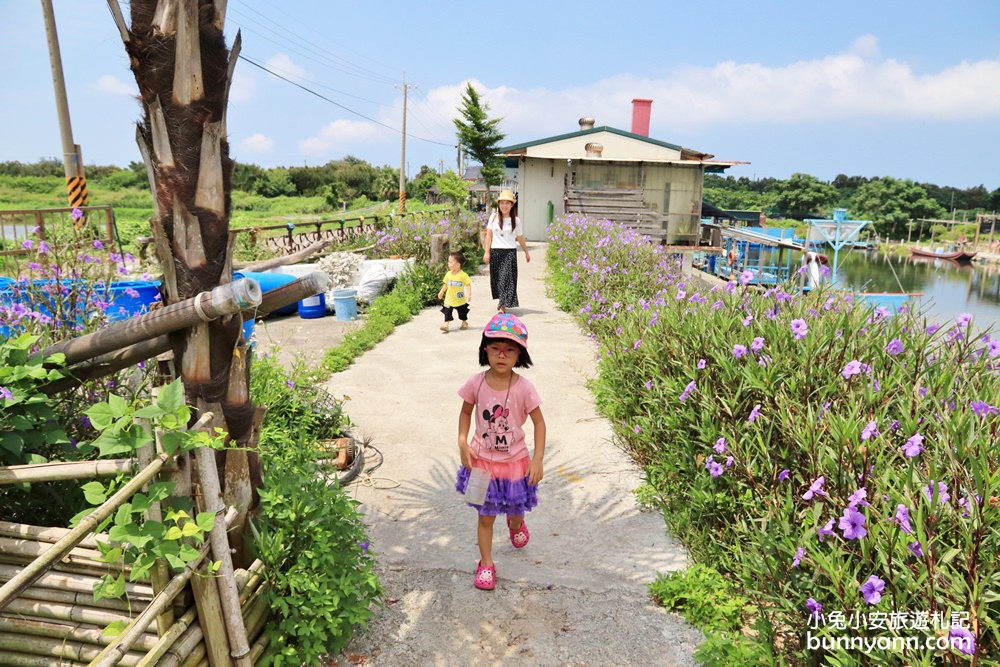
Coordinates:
column 402, row 201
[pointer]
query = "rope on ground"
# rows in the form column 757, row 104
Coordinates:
column 365, row 478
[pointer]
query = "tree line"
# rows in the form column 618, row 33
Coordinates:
column 889, row 202
column 338, row 181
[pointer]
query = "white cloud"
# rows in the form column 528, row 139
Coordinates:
column 257, row 143
column 853, row 85
column 115, row 86
column 285, row 66
column 339, row 136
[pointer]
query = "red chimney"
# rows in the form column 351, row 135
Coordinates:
column 640, row 116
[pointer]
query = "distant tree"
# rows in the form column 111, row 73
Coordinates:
column 480, row 136
column 422, row 183
column 454, row 187
column 803, row 195
column 245, row 176
column 276, row 183
column 994, row 203
column 890, row 202
column 386, row 185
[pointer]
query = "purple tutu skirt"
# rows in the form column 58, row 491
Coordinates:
column 509, row 491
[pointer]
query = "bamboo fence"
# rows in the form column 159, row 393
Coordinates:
column 48, row 614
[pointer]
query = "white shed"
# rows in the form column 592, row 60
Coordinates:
column 609, row 173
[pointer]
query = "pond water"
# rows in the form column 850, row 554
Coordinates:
column 948, row 288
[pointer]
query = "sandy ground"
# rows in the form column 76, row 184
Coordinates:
column 576, row 595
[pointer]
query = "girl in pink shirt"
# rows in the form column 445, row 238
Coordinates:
column 496, row 404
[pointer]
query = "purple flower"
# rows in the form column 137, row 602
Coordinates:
column 869, row 431
column 76, row 214
column 748, row 319
column 784, row 475
column 932, row 329
column 903, row 519
column 739, row 350
column 963, row 320
column 815, row 489
column 815, row 608
column 800, row 553
column 754, row 414
column 757, row 345
column 637, row 429
column 687, row 390
column 701, row 364
column 27, row 244
column 857, row 498
column 5, row 393
column 915, row 549
column 853, row 367
column 800, row 328
column 729, row 461
column 649, row 384
column 982, row 408
column 825, row 531
column 730, row 288
column 993, row 348
column 715, row 468
column 962, row 640
column 364, row 547
column 872, row 589
column 720, row 446
column 913, row 446
column 291, row 384
column 98, row 244
column 853, row 524
column 746, row 277
column 894, row 347
column 942, row 492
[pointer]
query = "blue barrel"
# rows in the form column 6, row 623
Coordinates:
column 268, row 282
column 131, row 297
column 345, row 304
column 712, row 259
column 313, row 307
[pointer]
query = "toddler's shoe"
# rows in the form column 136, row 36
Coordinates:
column 444, row 328
column 519, row 538
column 465, row 324
column 486, row 577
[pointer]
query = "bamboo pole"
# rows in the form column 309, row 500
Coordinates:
column 211, row 617
column 87, row 525
column 45, row 534
column 255, row 615
column 160, row 573
column 58, row 648
column 11, row 659
column 204, row 307
column 60, row 470
column 112, row 654
column 174, row 653
column 77, row 583
column 90, row 634
column 61, row 612
column 31, row 549
column 77, row 599
column 239, row 647
column 106, row 364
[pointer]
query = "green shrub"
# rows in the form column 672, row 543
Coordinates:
column 322, row 583
column 806, row 446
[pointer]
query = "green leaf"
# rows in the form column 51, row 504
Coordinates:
column 173, row 533
column 149, row 412
column 117, row 405
column 189, row 554
column 171, row 397
column 115, row 628
column 110, row 587
column 94, row 493
column 100, row 416
column 205, row 521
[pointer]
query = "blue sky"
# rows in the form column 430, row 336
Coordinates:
column 884, row 88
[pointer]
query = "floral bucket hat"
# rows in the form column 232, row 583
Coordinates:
column 505, row 325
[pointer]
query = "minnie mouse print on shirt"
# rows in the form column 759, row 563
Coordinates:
column 498, row 435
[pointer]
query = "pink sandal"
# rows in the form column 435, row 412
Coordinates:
column 486, row 577
column 519, row 538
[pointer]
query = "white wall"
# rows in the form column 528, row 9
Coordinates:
column 541, row 182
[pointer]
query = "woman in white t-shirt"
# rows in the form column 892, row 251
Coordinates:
column 503, row 235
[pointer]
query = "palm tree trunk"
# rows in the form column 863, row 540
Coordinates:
column 178, row 55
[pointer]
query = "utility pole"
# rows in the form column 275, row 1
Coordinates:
column 76, row 183
column 402, row 155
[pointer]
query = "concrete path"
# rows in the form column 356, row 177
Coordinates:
column 576, row 594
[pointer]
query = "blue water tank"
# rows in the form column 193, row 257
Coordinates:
column 270, row 281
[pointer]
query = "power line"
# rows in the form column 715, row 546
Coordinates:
column 337, row 104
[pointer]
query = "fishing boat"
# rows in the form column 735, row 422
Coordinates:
column 941, row 253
